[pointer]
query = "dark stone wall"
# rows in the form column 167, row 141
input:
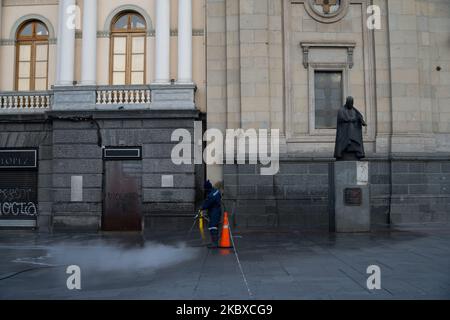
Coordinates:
column 32, row 131
column 76, row 152
column 69, row 146
column 421, row 191
column 380, row 177
column 152, row 131
column 298, row 195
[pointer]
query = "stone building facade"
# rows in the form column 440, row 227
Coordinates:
column 90, row 94
column 266, row 61
column 104, row 100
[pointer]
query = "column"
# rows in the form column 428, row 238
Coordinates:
column 184, row 41
column 89, row 44
column 162, row 68
column 58, row 45
column 66, row 40
column 1, row 7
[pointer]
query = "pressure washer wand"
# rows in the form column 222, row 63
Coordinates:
column 193, row 225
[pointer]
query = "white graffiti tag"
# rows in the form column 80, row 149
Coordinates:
column 18, row 209
column 15, row 194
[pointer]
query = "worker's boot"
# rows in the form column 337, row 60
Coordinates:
column 214, row 239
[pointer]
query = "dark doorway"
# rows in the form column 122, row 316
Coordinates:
column 122, row 203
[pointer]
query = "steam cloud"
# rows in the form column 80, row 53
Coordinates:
column 103, row 257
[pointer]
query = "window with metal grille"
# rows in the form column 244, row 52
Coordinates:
column 328, row 90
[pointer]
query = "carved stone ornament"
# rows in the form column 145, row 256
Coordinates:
column 327, row 7
column 327, row 11
column 349, row 46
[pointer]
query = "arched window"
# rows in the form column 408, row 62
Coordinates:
column 128, row 49
column 32, row 56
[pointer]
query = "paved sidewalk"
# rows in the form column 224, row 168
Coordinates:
column 414, row 261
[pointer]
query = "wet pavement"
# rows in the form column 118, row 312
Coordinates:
column 414, row 263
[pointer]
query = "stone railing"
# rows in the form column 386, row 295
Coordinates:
column 123, row 95
column 30, row 101
column 101, row 98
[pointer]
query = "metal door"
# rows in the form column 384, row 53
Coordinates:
column 122, row 203
column 18, row 188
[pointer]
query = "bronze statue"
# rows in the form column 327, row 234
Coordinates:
column 349, row 138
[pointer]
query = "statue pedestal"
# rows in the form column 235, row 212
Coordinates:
column 350, row 197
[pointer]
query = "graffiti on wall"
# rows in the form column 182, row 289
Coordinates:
column 18, row 183
column 18, row 202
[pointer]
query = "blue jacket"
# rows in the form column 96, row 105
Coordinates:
column 214, row 206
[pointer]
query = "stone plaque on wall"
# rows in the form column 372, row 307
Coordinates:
column 353, row 197
column 362, row 173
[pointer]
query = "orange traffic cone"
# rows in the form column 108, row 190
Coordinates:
column 225, row 238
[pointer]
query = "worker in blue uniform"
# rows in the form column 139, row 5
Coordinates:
column 213, row 206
